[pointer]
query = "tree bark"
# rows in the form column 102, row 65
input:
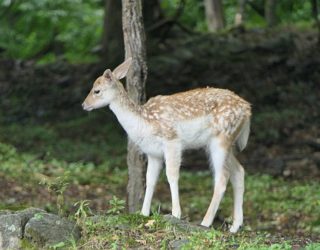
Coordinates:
column 134, row 43
column 239, row 17
column 112, row 38
column 270, row 12
column 214, row 15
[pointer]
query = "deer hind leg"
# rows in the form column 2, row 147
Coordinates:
column 173, row 161
column 153, row 171
column 218, row 154
column 237, row 181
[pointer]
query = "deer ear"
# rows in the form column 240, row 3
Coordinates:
column 107, row 74
column 122, row 70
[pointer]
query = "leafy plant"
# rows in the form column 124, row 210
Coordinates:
column 6, row 152
column 83, row 211
column 116, row 205
column 58, row 245
column 68, row 27
column 58, row 186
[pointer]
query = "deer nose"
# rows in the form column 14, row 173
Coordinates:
column 83, row 105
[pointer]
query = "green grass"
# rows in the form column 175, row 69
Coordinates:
column 89, row 138
column 156, row 232
column 47, row 160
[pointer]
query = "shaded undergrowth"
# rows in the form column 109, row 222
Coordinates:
column 279, row 213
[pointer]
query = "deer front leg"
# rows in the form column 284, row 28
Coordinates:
column 173, row 161
column 153, row 170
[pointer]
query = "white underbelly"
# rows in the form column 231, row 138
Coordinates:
column 195, row 133
column 192, row 134
column 151, row 146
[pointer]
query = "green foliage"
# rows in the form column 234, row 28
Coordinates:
column 270, row 204
column 218, row 240
column 313, row 246
column 294, row 11
column 74, row 145
column 276, row 199
column 116, row 205
column 58, row 186
column 193, row 16
column 71, row 29
column 125, row 231
column 57, row 175
column 68, row 27
column 6, row 152
column 59, row 245
column 276, row 120
column 82, row 212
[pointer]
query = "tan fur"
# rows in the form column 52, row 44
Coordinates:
column 227, row 109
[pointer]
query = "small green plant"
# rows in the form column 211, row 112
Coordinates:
column 6, row 152
column 38, row 216
column 73, row 243
column 83, row 211
column 59, row 245
column 116, row 205
column 58, row 186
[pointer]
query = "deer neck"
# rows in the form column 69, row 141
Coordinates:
column 128, row 114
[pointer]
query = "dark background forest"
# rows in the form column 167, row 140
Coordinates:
column 53, row 154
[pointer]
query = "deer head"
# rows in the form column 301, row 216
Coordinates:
column 106, row 87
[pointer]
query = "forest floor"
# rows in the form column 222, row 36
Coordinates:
column 280, row 213
column 50, row 146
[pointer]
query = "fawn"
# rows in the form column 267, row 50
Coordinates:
column 211, row 118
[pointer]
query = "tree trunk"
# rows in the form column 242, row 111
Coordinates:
column 134, row 42
column 315, row 15
column 239, row 17
column 214, row 14
column 270, row 12
column 112, row 38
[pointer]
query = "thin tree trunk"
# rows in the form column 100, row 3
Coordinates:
column 270, row 12
column 239, row 17
column 112, row 38
column 134, row 42
column 214, row 14
column 315, row 15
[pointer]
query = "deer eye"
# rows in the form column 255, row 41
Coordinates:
column 96, row 92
